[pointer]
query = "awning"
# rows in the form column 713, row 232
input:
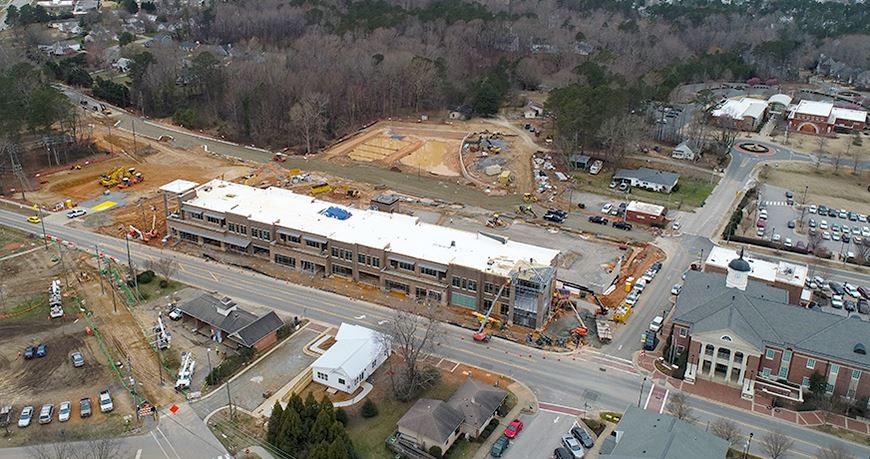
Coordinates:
column 316, row 239
column 434, row 268
column 237, row 240
column 201, row 232
column 290, row 233
column 401, row 259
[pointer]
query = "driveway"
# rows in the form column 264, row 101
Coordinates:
column 540, row 436
column 269, row 374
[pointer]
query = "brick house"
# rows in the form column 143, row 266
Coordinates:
column 647, row 214
column 745, row 334
column 224, row 322
column 821, row 118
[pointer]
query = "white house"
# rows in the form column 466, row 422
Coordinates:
column 683, row 151
column 357, row 353
column 533, row 111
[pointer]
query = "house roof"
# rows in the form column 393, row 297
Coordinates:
column 761, row 315
column 781, row 99
column 771, row 271
column 395, row 233
column 646, row 208
column 813, row 108
column 647, row 434
column 243, row 325
column 684, row 146
column 477, row 401
column 354, row 349
column 646, row 174
column 464, row 109
column 578, row 158
column 848, row 114
column 741, row 108
column 433, row 419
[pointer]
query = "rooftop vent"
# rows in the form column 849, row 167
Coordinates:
column 860, row 349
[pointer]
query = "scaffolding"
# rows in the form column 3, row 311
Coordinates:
column 531, row 289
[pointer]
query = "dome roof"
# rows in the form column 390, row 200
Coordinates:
column 739, row 264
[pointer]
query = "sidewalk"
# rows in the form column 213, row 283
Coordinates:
column 731, row 396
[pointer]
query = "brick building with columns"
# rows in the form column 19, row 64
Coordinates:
column 743, row 333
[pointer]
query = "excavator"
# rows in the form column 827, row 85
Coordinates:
column 121, row 176
column 279, row 157
column 529, row 197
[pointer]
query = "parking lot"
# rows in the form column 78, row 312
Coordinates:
column 540, row 436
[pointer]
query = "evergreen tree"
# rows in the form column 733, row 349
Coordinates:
column 291, row 435
column 369, row 409
column 321, row 430
column 326, row 405
column 275, row 421
column 341, row 416
column 337, row 450
column 321, row 451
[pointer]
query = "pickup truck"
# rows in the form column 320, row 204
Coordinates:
column 106, row 404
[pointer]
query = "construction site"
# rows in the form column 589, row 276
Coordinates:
column 56, row 296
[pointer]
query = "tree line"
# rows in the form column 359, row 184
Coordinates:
column 309, row 429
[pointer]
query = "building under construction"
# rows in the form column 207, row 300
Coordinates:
column 397, row 253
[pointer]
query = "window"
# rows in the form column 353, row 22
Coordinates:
column 856, row 374
column 487, row 304
column 805, row 382
column 285, row 260
column 342, row 271
column 263, row 251
column 215, row 220
column 344, row 254
column 472, row 286
column 429, row 271
column 683, row 332
column 322, row 375
column 835, row 369
column 290, row 238
column 196, row 215
column 786, row 356
column 434, row 296
column 783, row 372
column 766, row 372
column 466, row 301
column 457, row 281
column 680, row 349
column 392, row 285
column 489, row 287
column 420, row 293
column 188, row 237
column 770, row 354
column 258, row 233
column 811, row 363
column 505, row 309
column 315, row 244
column 341, row 380
column 398, row 264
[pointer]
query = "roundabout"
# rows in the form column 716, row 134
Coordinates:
column 756, row 148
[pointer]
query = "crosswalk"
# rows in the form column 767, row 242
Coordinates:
column 774, row 203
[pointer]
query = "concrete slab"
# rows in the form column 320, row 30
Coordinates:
column 105, row 201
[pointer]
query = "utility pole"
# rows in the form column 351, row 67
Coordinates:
column 62, row 264
column 130, row 264
column 100, row 269
column 111, row 149
column 133, row 123
column 133, row 388
column 640, row 394
column 3, row 297
column 42, row 222
column 229, row 399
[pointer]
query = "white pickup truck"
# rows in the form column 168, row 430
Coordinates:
column 106, row 404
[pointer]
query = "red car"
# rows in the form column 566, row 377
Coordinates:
column 515, row 427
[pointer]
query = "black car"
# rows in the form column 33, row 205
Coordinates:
column 41, row 350
column 823, row 210
column 791, row 223
column 846, row 238
column 554, row 217
column 622, row 225
column 598, row 220
column 849, row 305
column 657, row 266
column 832, row 212
column 863, row 306
column 562, row 453
column 582, row 437
column 29, row 351
column 789, row 194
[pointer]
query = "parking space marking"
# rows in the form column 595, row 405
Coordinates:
column 159, row 445
column 138, row 453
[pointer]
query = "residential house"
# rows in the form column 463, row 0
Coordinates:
column 461, row 112
column 684, row 151
column 579, row 162
column 647, row 434
column 394, row 252
column 742, row 333
column 436, row 423
column 356, row 354
column 650, row 179
column 122, row 65
column 223, row 321
column 533, row 111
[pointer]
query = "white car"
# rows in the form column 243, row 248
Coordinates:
column 607, row 208
column 640, row 285
column 865, row 232
column 76, row 213
column 656, row 323
column 64, row 412
column 812, row 208
column 759, row 232
column 175, row 314
column 823, row 225
column 675, row 226
column 826, row 235
column 776, row 238
column 837, row 301
column 856, row 231
column 26, row 416
column 676, row 289
column 788, row 242
column 106, row 404
column 631, row 299
column 862, row 218
column 851, row 290
column 835, row 237
column 762, row 214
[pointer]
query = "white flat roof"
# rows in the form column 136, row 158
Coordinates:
column 740, row 108
column 814, row 108
column 646, row 208
column 849, row 114
column 398, row 234
column 782, row 271
column 177, row 186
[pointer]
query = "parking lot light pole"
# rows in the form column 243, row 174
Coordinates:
column 640, row 394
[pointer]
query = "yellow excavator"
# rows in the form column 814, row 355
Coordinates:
column 119, row 176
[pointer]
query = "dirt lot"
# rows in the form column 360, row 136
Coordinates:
column 841, row 189
column 53, row 379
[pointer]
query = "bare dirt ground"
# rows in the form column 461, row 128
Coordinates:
column 840, row 189
column 53, row 379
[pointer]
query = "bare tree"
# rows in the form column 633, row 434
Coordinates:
column 59, row 449
column 165, row 266
column 776, row 444
column 821, row 152
column 309, row 116
column 412, row 337
column 829, row 405
column 834, row 451
column 724, row 141
column 813, row 240
column 727, row 430
column 678, row 407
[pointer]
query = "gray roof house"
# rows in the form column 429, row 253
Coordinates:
column 436, row 423
column 225, row 320
column 578, row 161
column 647, row 434
column 684, row 151
column 651, row 179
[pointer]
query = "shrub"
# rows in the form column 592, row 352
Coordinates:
column 369, row 409
column 284, row 331
column 341, row 416
column 487, row 431
column 170, row 360
column 436, row 451
column 164, row 283
column 145, row 277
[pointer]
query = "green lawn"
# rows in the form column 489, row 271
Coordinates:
column 152, row 289
column 369, row 435
column 691, row 192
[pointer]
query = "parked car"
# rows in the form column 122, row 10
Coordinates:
column 823, row 225
column 499, row 447
column 865, row 292
column 791, row 224
column 640, row 285
column 26, row 416
column 607, row 208
column 41, row 350
column 622, row 225
column 513, row 429
column 676, row 289
column 29, row 352
column 85, row 407
column 77, row 359
column 583, row 437
column 849, row 305
column 562, row 453
column 837, row 288
column 175, row 314
column 777, row 238
column 812, row 209
column 46, row 413
column 851, row 290
column 788, row 242
column 64, row 411
column 555, row 216
column 762, row 214
column 837, row 302
column 823, row 210
column 812, row 223
column 573, row 446
column 863, row 306
column 598, row 220
column 675, row 226
column 106, row 404
column 656, row 323
column 76, row 213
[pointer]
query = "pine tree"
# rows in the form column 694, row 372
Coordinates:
column 291, row 435
column 297, row 404
column 369, row 409
column 337, row 450
column 341, row 416
column 326, row 405
column 312, row 408
column 275, row 420
column 321, row 451
column 321, row 430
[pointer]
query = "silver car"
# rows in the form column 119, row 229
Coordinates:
column 571, row 444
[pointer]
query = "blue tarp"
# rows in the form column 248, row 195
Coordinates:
column 337, row 213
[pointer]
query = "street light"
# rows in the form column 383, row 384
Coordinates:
column 748, row 444
column 640, row 395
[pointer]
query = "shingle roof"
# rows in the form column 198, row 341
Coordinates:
column 761, row 315
column 258, row 329
column 433, row 419
column 241, row 324
column 648, row 434
column 477, row 401
column 646, row 174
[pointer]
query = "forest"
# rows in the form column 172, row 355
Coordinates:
column 298, row 73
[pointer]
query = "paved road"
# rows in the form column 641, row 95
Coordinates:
column 590, row 380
